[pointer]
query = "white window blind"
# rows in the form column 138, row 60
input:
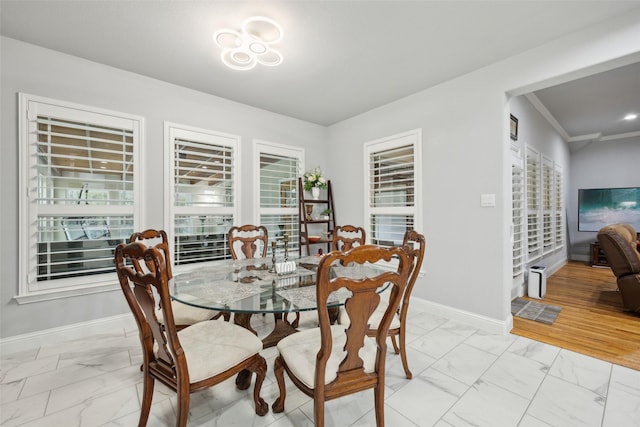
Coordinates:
column 392, row 185
column 559, row 207
column 548, row 198
column 534, row 225
column 279, row 167
column 517, row 214
column 204, row 170
column 79, row 171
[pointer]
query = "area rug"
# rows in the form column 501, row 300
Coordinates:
column 537, row 311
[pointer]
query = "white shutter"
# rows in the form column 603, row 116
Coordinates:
column 534, row 226
column 204, row 193
column 81, row 175
column 203, row 174
column 548, row 220
column 279, row 167
column 517, row 214
column 391, row 172
column 559, row 207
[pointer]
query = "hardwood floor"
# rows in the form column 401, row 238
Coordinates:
column 592, row 320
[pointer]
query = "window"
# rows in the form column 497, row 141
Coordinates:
column 203, row 187
column 278, row 169
column 544, row 195
column 534, row 226
column 79, row 198
column 517, row 214
column 559, row 207
column 393, row 187
column 548, row 220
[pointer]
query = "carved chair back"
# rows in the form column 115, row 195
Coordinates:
column 415, row 244
column 346, row 237
column 162, row 244
column 248, row 241
column 184, row 315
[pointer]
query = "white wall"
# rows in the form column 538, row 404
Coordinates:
column 462, row 158
column 465, row 125
column 465, row 128
column 599, row 165
column 31, row 69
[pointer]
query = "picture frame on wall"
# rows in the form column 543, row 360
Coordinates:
column 514, row 128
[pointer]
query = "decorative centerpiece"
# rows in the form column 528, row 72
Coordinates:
column 314, row 181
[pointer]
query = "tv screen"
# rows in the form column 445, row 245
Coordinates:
column 598, row 207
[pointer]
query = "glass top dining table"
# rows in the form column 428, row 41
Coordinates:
column 251, row 286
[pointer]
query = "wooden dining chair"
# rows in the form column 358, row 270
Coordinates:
column 346, row 237
column 333, row 361
column 248, row 241
column 184, row 315
column 414, row 242
column 189, row 360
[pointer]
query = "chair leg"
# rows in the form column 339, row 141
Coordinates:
column 318, row 412
column 403, row 354
column 183, row 407
column 260, row 368
column 378, row 395
column 278, row 370
column 147, row 396
column 395, row 344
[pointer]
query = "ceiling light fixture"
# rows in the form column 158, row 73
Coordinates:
column 631, row 116
column 242, row 50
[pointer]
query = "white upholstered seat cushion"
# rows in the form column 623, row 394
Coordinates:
column 213, row 347
column 184, row 314
column 299, row 351
column 375, row 319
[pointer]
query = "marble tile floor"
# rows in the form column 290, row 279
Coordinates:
column 462, row 377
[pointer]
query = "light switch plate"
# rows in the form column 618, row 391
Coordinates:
column 487, row 200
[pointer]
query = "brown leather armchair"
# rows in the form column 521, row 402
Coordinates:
column 619, row 244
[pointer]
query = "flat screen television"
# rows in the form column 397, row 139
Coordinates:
column 598, row 207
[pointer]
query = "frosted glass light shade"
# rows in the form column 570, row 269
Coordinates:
column 242, row 50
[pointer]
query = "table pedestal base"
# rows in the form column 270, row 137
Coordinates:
column 280, row 330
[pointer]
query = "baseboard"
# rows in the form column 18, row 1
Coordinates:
column 126, row 322
column 65, row 333
column 484, row 323
column 580, row 257
column 555, row 267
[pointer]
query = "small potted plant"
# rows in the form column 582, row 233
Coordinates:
column 325, row 214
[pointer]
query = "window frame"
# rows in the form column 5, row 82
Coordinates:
column 533, row 203
column 176, row 130
column 547, row 206
column 518, row 229
column 29, row 289
column 284, row 150
column 411, row 138
column 558, row 184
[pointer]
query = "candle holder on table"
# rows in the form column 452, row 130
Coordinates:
column 273, row 257
column 285, row 239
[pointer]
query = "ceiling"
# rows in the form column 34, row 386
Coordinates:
column 341, row 58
